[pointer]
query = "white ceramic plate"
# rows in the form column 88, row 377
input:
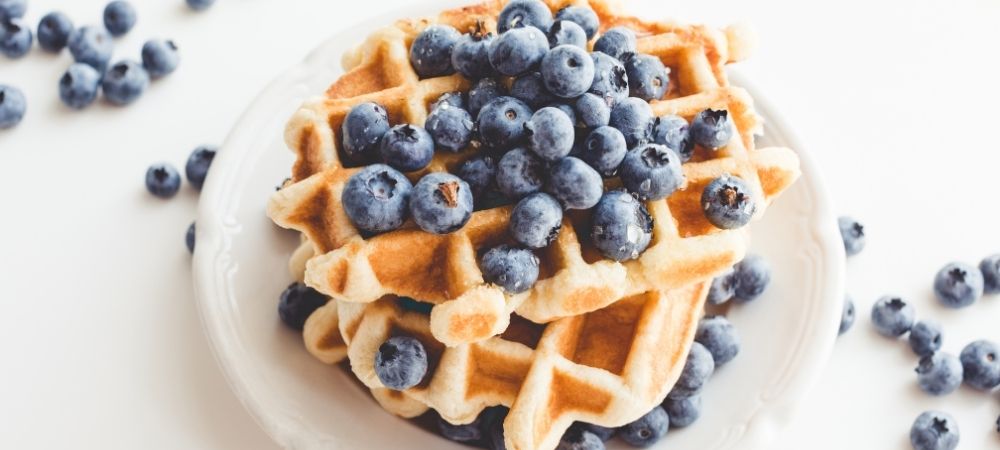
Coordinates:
column 241, row 267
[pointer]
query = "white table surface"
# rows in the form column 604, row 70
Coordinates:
column 100, row 341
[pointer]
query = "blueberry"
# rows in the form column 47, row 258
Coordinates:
column 925, row 338
column 530, row 89
column 634, row 118
column 480, row 173
column 401, row 363
column 15, row 38
column 567, row 33
column 568, row 110
column 119, row 17
column 727, row 202
column 604, row 149
column 998, row 424
column 514, row 269
column 494, row 428
column 646, row 431
column 712, row 129
column 455, row 99
column 12, row 106
column 524, row 13
column 520, row 173
column 79, row 85
column 297, row 303
column 189, row 238
column 580, row 440
column 12, row 9
column 407, row 147
column 673, row 132
column 719, row 336
column 981, row 362
column 163, row 180
column 483, row 92
column 723, row 288
column 753, row 274
column 603, row 433
column 430, row 53
column 892, row 316
column 91, row 46
column 362, row 132
column 450, row 127
column 683, row 411
column 501, row 123
column 651, row 172
column 697, row 370
column 621, row 226
column 536, row 220
column 518, row 51
column 853, row 234
column 939, row 373
column 934, row 430
column 958, row 285
column 550, row 134
column 470, row 432
column 160, row 57
column 575, row 184
column 848, row 316
column 593, row 111
column 200, row 5
column 125, row 82
column 990, row 268
column 376, row 199
column 198, row 163
column 568, row 71
column 441, row 203
column 610, row 79
column 647, row 77
column 616, row 42
column 583, row 16
column 53, row 31
column 471, row 54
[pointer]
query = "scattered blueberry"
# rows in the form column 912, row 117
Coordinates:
column 401, row 363
column 514, row 269
column 520, row 173
column 753, row 274
column 616, row 42
column 15, row 38
column 163, row 180
column 683, row 411
column 723, row 288
column 651, row 172
column 580, row 440
column 990, row 268
column 78, row 87
column 501, row 123
column 719, row 336
column 407, row 147
column 530, row 89
column 567, row 33
column 12, row 9
column 593, row 111
column 450, row 127
column 604, row 149
column 853, row 234
column 480, row 172
column 848, row 316
column 583, row 16
column 189, row 237
column 575, row 184
column 712, row 129
column 200, row 5
column 647, row 77
column 91, row 46
column 430, row 53
column 634, row 118
column 119, row 17
column 621, row 226
column 160, row 57
column 483, row 92
column 673, row 132
column 518, row 51
column 362, row 132
column 727, row 202
column 981, row 362
column 934, row 430
column 524, row 13
column 441, row 203
column 376, row 199
column 536, row 220
column 297, row 303
column 892, row 316
column 471, row 54
column 125, row 82
column 550, row 134
column 610, row 79
column 197, row 165
column 925, row 338
column 604, row 433
column 470, row 432
column 568, row 71
column 53, row 31
column 958, row 285
column 697, row 370
column 12, row 106
column 939, row 373
column 646, row 431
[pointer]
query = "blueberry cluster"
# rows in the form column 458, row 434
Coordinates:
column 550, row 121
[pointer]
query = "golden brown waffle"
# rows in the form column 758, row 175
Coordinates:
column 574, row 279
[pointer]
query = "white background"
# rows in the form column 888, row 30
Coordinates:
column 100, row 343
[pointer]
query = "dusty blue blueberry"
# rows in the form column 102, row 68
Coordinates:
column 362, row 131
column 430, row 53
column 407, row 147
column 160, row 57
column 651, row 172
column 723, row 288
column 15, row 38
column 958, row 285
column 12, row 9
column 647, row 77
column 568, row 110
column 621, row 226
column 610, row 79
column 683, row 411
column 853, row 234
column 441, row 203
column 698, row 368
column 673, row 132
column 297, row 303
column 727, row 202
column 520, row 173
column 480, row 173
column 536, row 220
column 567, row 33
column 646, row 431
column 78, row 87
column 575, row 184
column 524, row 13
column 494, row 428
column 925, row 338
column 469, row 432
column 376, row 199
column 401, row 362
column 518, row 51
column 939, row 373
column 583, row 16
column 990, row 269
column 892, row 316
column 501, row 123
column 198, row 163
column 580, row 440
column 604, row 433
column 189, row 237
column 512, row 268
column 125, row 82
column 119, row 17
column 163, row 180
column 200, row 5
column 719, row 337
column 12, row 106
column 712, row 129
column 455, row 99
column 634, row 118
column 568, row 71
column 530, row 89
column 92, row 46
column 848, row 316
column 483, row 92
column 981, row 364
column 604, row 149
column 592, row 111
column 53, row 31
column 934, row 430
column 616, row 42
column 450, row 127
column 471, row 54
column 550, row 134
column 753, row 274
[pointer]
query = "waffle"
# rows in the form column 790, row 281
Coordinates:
column 574, row 279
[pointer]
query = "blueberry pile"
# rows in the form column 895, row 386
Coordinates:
column 545, row 123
